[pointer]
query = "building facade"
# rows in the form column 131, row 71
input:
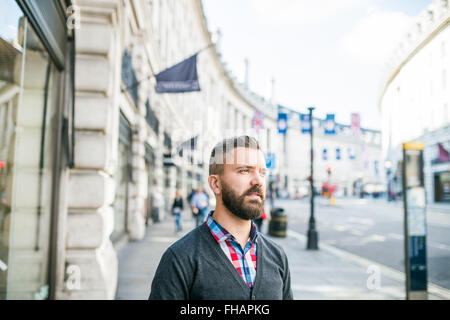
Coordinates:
column 415, row 100
column 88, row 149
column 350, row 160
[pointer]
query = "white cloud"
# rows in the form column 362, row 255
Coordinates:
column 282, row 12
column 374, row 37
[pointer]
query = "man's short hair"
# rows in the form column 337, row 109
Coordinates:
column 219, row 152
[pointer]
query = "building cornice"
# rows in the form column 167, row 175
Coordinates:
column 429, row 23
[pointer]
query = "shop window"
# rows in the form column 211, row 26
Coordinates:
column 151, row 118
column 442, row 187
column 30, row 85
column 149, row 168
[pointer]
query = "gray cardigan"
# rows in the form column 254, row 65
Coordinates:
column 196, row 268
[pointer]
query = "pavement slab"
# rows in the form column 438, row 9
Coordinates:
column 325, row 274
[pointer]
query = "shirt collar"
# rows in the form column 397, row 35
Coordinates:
column 221, row 234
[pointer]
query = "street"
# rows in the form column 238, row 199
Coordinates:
column 373, row 229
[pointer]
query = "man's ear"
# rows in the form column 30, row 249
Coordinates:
column 214, row 184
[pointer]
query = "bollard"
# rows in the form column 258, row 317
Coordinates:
column 278, row 223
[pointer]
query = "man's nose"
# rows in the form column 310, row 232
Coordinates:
column 257, row 179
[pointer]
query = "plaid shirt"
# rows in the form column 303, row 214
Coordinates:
column 243, row 260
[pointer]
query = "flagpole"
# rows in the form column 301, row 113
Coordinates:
column 153, row 76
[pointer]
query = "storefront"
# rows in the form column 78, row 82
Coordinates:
column 35, row 96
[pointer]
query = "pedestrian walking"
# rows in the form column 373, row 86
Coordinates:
column 259, row 221
column 198, row 266
column 177, row 211
column 199, row 204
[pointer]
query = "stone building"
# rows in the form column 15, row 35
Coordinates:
column 78, row 180
column 353, row 160
column 415, row 100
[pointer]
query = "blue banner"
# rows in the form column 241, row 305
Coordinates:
column 282, row 123
column 181, row 77
column 305, row 123
column 270, row 160
column 330, row 124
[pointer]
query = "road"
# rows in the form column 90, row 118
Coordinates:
column 373, row 229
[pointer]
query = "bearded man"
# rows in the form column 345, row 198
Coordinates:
column 226, row 258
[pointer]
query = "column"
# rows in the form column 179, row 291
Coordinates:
column 90, row 259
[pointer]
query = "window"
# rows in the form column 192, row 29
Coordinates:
column 122, row 179
column 351, row 153
column 338, row 153
column 324, row 154
column 30, row 112
column 149, row 168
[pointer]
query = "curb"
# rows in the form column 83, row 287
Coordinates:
column 390, row 272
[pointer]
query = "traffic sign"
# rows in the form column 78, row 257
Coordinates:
column 270, row 160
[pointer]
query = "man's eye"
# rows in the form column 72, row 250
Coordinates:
column 243, row 170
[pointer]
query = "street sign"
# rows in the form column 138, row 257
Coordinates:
column 282, row 123
column 270, row 160
column 414, row 221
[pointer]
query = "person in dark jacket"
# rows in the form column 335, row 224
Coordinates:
column 177, row 210
column 226, row 258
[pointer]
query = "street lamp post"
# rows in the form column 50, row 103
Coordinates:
column 388, row 165
column 313, row 237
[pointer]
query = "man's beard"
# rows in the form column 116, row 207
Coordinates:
column 235, row 204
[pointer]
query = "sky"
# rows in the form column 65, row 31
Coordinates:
column 9, row 18
column 330, row 54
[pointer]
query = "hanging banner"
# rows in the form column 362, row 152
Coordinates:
column 179, row 78
column 257, row 122
column 282, row 123
column 305, row 123
column 330, row 124
column 355, row 124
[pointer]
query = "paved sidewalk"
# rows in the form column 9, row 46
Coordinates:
column 328, row 273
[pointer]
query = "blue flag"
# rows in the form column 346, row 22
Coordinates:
column 330, row 125
column 305, row 123
column 282, row 123
column 181, row 77
column 270, row 160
